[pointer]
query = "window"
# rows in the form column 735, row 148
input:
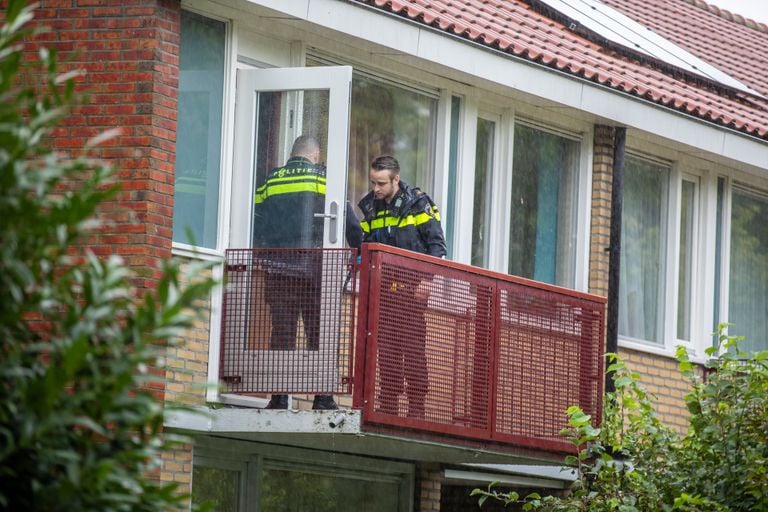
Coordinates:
column 300, row 489
column 448, row 217
column 390, row 120
column 543, row 234
column 235, row 476
column 481, row 211
column 198, row 144
column 643, row 241
column 688, row 212
column 748, row 268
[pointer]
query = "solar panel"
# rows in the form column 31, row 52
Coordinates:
column 622, row 30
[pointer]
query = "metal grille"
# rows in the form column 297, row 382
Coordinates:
column 457, row 350
column 288, row 320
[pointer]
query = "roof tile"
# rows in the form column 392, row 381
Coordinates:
column 514, row 27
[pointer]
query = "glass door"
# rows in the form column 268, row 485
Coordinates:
column 288, row 203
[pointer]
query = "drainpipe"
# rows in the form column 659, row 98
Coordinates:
column 614, row 250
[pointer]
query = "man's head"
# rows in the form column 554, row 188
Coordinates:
column 385, row 177
column 307, row 147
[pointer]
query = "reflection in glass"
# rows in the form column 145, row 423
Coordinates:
column 542, row 243
column 482, row 197
column 685, row 269
column 219, row 487
column 288, row 219
column 198, row 154
column 643, row 235
column 293, row 491
column 449, row 219
column 748, row 276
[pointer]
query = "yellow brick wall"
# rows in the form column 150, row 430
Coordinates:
column 428, row 486
column 186, row 379
column 177, row 467
column 187, row 364
column 600, row 232
column 661, row 377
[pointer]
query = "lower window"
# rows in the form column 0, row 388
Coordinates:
column 232, row 476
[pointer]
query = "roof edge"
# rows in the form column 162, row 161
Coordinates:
column 728, row 15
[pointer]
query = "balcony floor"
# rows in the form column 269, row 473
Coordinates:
column 313, row 429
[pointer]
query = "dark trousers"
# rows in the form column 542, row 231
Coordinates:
column 289, row 298
column 402, row 358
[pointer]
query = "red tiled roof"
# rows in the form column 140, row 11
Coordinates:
column 515, row 27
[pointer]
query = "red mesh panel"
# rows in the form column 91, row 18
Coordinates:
column 287, row 321
column 549, row 359
column 453, row 349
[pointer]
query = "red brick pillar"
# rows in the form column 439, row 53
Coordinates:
column 129, row 50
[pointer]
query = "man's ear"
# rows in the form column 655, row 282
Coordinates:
column 396, row 180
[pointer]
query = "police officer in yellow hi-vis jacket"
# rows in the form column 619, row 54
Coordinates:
column 402, row 216
column 284, row 217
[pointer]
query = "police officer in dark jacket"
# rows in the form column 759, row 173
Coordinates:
column 397, row 214
column 284, row 217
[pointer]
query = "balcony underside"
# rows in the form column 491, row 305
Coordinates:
column 314, row 430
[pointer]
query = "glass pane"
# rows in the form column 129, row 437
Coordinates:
column 452, row 170
column 482, row 197
column 718, row 253
column 644, row 214
column 390, row 120
column 687, row 206
column 201, row 89
column 293, row 491
column 544, row 201
column 290, row 155
column 220, row 487
column 748, row 278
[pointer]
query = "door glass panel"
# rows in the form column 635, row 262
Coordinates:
column 217, row 486
column 294, row 491
column 290, row 154
column 481, row 210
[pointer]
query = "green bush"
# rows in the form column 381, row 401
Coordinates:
column 80, row 429
column 636, row 463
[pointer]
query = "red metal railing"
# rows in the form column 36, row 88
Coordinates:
column 457, row 350
column 443, row 348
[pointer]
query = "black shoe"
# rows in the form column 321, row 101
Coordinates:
column 278, row 402
column 324, row 403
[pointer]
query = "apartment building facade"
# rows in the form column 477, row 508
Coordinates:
column 516, row 116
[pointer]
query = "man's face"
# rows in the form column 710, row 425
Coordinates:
column 384, row 184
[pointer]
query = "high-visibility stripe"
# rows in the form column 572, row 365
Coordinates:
column 384, row 220
column 292, row 185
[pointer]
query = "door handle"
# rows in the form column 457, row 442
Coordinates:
column 333, row 217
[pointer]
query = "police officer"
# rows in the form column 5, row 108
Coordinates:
column 402, row 216
column 285, row 208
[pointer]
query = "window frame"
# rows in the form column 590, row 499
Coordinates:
column 252, row 458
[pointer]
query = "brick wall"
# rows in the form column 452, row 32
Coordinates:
column 661, row 377
column 129, row 50
column 187, row 365
column 428, row 485
column 600, row 230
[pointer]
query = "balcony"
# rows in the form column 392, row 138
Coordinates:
column 427, row 349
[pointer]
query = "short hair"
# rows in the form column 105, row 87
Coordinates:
column 304, row 145
column 386, row 162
